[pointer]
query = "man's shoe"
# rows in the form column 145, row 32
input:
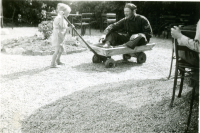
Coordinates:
column 107, row 45
column 99, row 44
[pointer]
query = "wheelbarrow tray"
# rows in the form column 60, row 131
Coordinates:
column 121, row 49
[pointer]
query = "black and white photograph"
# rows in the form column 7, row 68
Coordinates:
column 112, row 66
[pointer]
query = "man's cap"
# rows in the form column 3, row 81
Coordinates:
column 131, row 6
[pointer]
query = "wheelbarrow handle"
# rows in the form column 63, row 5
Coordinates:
column 73, row 27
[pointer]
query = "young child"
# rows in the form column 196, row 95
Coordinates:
column 59, row 32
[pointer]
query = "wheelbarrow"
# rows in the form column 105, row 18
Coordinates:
column 104, row 54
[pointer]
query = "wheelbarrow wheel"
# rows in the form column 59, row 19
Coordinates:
column 103, row 59
column 109, row 63
column 126, row 56
column 96, row 59
column 141, row 57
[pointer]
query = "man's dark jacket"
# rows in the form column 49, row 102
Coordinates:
column 134, row 25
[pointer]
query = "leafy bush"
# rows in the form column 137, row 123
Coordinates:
column 46, row 28
column 31, row 10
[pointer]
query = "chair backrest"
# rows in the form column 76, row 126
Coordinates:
column 87, row 17
column 111, row 17
column 183, row 51
column 108, row 18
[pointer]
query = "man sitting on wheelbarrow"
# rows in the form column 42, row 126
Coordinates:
column 136, row 28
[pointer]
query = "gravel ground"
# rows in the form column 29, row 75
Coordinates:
column 30, row 89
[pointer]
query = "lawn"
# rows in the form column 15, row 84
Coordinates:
column 86, row 97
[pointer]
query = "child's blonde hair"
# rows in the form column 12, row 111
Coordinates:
column 63, row 7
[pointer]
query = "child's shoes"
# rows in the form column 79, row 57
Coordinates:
column 53, row 66
column 60, row 63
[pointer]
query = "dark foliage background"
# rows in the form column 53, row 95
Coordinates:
column 31, row 9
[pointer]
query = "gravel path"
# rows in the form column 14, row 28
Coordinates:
column 27, row 82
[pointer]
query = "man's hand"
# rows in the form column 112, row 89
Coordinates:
column 102, row 38
column 176, row 32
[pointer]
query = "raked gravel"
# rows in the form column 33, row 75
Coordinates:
column 27, row 82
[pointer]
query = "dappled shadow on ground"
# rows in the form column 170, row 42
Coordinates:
column 120, row 66
column 17, row 75
column 126, row 106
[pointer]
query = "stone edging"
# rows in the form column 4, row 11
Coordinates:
column 36, row 53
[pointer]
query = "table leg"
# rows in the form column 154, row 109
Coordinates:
column 83, row 30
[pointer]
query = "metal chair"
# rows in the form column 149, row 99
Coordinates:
column 107, row 19
column 188, row 31
column 186, row 70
